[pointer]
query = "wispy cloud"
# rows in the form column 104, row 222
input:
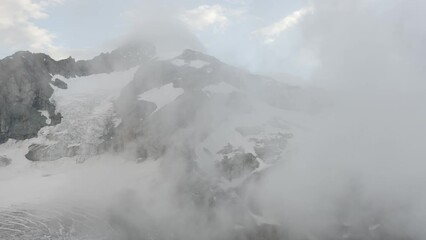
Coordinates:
column 18, row 29
column 210, row 16
column 270, row 33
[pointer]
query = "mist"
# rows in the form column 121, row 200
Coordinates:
column 347, row 153
column 357, row 172
column 154, row 22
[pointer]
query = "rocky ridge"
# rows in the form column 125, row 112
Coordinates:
column 26, row 85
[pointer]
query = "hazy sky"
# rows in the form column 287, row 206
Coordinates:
column 259, row 35
column 274, row 37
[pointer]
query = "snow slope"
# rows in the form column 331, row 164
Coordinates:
column 86, row 107
column 221, row 88
column 161, row 96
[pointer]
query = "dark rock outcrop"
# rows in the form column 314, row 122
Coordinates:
column 41, row 152
column 4, row 161
column 24, row 91
column 59, row 84
column 236, row 163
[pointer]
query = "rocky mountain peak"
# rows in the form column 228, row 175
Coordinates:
column 192, row 55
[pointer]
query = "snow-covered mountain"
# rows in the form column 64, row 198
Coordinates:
column 145, row 144
column 126, row 147
column 26, row 85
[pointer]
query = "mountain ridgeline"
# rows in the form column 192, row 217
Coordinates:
column 26, row 85
column 206, row 130
column 167, row 149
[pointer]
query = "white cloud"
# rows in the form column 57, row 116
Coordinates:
column 206, row 16
column 18, row 30
column 270, row 33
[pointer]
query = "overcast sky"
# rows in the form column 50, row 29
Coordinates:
column 258, row 35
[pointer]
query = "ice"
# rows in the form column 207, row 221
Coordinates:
column 161, row 96
column 86, row 106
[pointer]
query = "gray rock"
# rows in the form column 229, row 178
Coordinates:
column 41, row 152
column 24, row 90
column 60, row 84
column 236, row 163
column 4, row 161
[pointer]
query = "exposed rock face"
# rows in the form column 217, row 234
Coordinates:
column 25, row 85
column 41, row 152
column 60, row 84
column 120, row 59
column 236, row 163
column 4, row 161
column 24, row 91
